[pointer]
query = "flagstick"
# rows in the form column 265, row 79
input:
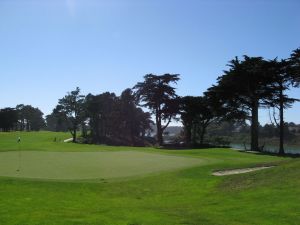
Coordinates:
column 19, row 154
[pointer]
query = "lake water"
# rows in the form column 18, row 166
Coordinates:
column 270, row 148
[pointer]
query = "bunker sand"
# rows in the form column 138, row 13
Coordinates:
column 240, row 171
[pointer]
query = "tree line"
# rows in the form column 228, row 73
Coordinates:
column 22, row 118
column 253, row 83
column 226, row 132
column 102, row 119
column 248, row 84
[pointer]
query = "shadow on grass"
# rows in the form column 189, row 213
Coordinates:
column 287, row 155
column 190, row 147
column 207, row 146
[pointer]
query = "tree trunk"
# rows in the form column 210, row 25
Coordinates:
column 84, row 132
column 160, row 139
column 132, row 139
column 194, row 134
column 28, row 126
column 202, row 137
column 281, row 126
column 159, row 135
column 188, row 135
column 22, row 125
column 203, row 131
column 74, row 135
column 254, row 126
column 96, row 131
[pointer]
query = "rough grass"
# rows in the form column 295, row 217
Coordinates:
column 186, row 196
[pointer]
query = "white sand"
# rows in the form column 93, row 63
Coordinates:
column 239, row 171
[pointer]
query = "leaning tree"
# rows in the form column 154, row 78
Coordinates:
column 157, row 94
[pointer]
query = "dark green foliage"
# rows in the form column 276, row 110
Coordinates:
column 116, row 120
column 30, row 118
column 134, row 121
column 157, row 94
column 56, row 121
column 238, row 132
column 100, row 111
column 8, row 119
column 273, row 131
column 196, row 115
column 242, row 90
column 281, row 79
column 294, row 68
column 269, row 131
column 23, row 117
column 71, row 107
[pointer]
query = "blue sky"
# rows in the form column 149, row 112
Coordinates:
column 49, row 47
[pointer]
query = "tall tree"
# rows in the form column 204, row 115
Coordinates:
column 243, row 89
column 100, row 111
column 280, row 81
column 129, row 125
column 72, row 107
column 196, row 114
column 134, row 122
column 143, row 123
column 157, row 94
column 56, row 121
column 187, row 107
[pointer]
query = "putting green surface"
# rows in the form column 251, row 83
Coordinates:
column 89, row 165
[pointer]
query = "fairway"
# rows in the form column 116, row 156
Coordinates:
column 88, row 165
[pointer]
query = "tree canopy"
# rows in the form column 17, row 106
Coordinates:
column 71, row 107
column 8, row 119
column 157, row 94
column 196, row 114
column 246, row 86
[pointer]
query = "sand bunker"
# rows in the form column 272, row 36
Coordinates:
column 239, row 171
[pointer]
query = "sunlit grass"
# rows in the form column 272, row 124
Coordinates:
column 182, row 196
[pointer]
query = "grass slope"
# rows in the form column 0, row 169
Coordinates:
column 186, row 196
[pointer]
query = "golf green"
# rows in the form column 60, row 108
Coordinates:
column 89, row 165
